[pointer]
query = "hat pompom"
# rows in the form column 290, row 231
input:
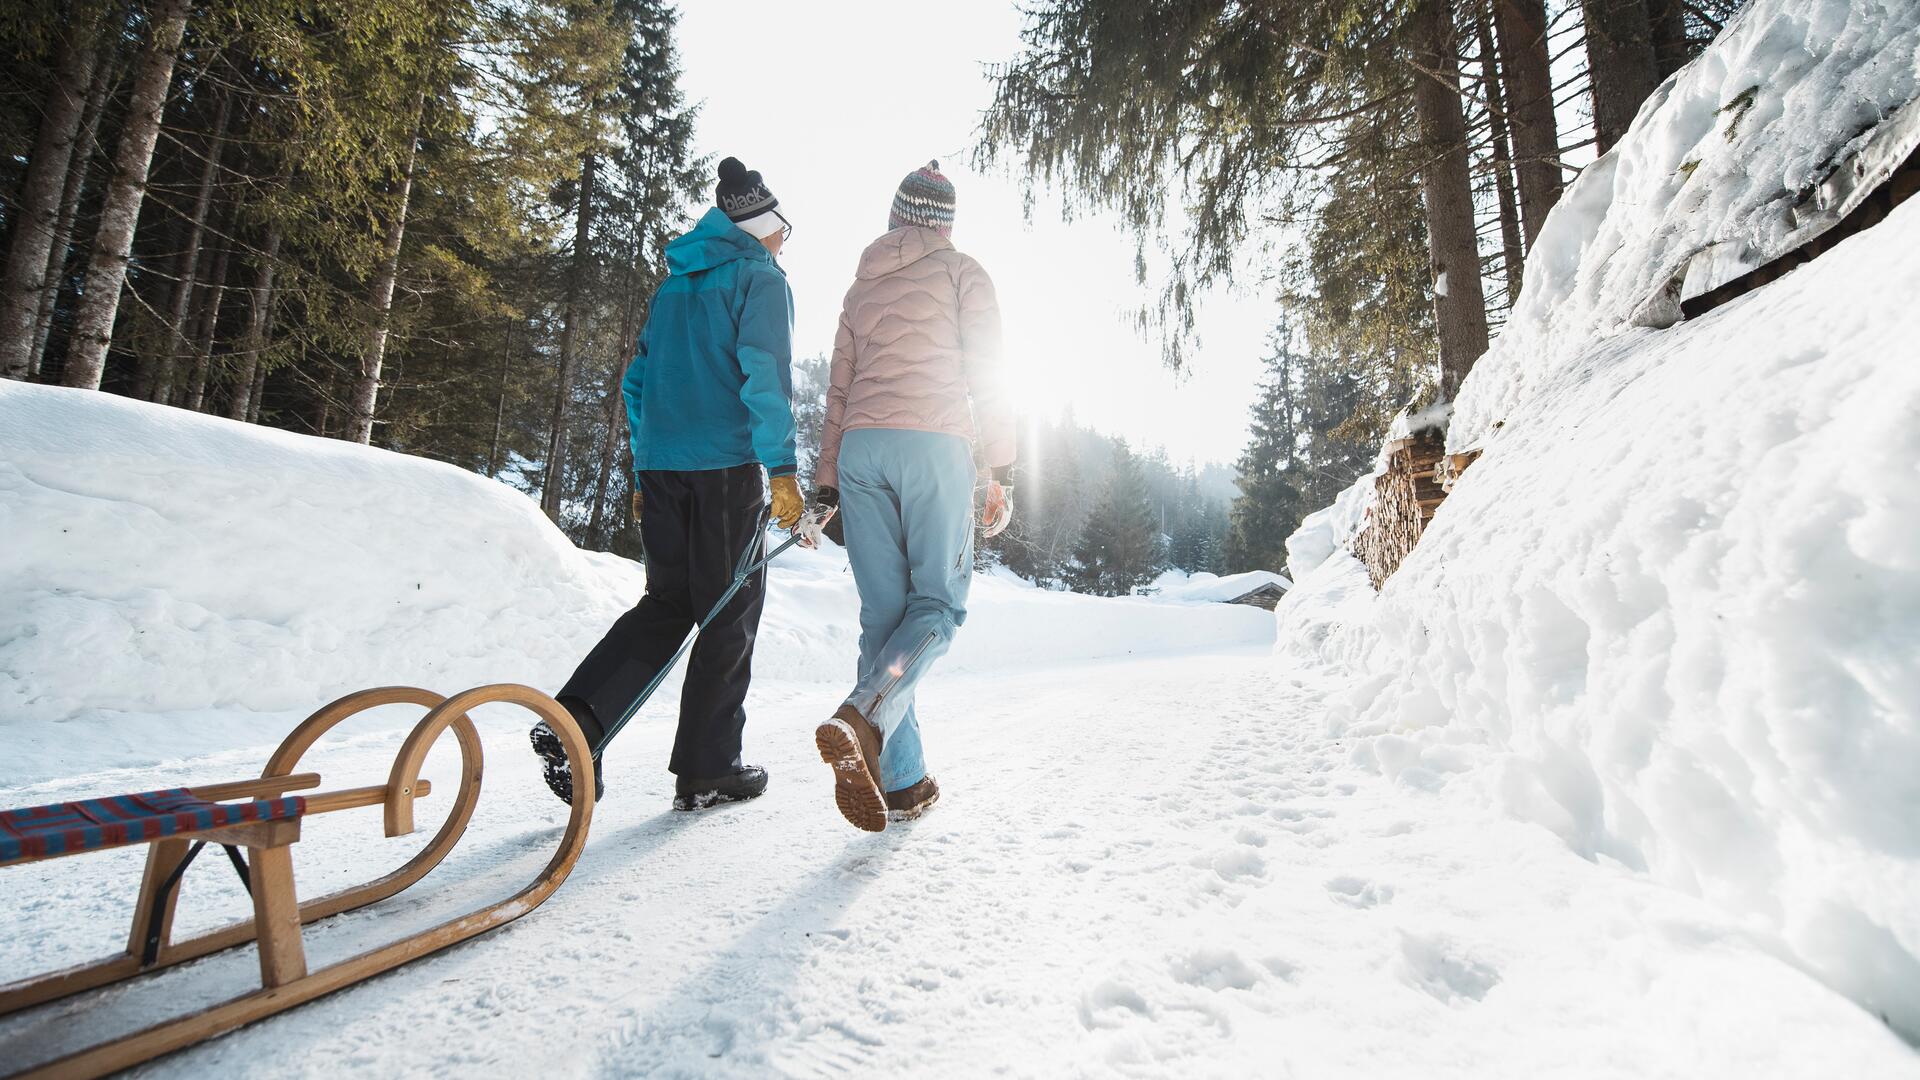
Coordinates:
column 744, row 197
column 925, row 199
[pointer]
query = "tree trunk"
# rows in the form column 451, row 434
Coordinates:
column 1513, row 253
column 1620, row 65
column 1446, row 186
column 500, row 405
column 616, row 414
column 179, row 336
column 366, row 388
column 323, row 407
column 120, row 210
column 209, row 324
column 1522, row 28
column 1668, row 20
column 603, row 475
column 105, row 74
column 38, row 215
column 259, row 327
column 569, row 333
column 258, row 392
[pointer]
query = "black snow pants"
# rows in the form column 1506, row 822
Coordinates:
column 694, row 525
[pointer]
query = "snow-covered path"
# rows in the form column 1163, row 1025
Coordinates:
column 1159, row 866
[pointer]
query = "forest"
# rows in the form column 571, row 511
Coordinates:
column 433, row 225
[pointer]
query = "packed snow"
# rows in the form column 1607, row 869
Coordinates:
column 1673, row 614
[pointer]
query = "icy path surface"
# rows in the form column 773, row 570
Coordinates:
column 1159, row 866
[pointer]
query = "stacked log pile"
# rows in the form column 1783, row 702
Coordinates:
column 1408, row 494
column 1447, row 473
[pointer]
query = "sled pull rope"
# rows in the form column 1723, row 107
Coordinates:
column 743, row 568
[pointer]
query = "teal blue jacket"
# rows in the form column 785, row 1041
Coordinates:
column 711, row 384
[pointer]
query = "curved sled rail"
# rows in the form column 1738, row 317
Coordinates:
column 403, row 786
column 280, row 767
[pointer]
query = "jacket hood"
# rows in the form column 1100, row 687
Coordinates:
column 901, row 247
column 712, row 241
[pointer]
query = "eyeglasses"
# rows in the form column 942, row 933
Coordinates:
column 786, row 227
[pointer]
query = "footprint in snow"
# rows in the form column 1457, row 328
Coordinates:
column 1358, row 892
column 1237, row 864
column 1216, row 969
column 1443, row 969
column 1111, row 1003
column 828, row 1050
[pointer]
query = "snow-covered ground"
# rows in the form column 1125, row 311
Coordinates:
column 1181, row 873
column 1617, row 777
column 1153, row 856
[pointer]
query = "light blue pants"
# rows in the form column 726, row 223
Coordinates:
column 907, row 497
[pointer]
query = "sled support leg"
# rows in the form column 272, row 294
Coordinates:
column 276, row 911
column 159, row 894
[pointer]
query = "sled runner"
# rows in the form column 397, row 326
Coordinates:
column 263, row 817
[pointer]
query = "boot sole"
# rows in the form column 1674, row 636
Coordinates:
column 855, row 791
column 554, row 769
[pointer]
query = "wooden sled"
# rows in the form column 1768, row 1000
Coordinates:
column 177, row 824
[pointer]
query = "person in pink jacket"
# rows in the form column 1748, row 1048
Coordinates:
column 916, row 383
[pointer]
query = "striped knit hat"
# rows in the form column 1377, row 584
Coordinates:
column 925, row 199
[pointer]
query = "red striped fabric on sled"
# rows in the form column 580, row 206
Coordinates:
column 35, row 832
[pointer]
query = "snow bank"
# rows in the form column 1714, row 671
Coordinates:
column 1329, row 529
column 1673, row 614
column 1700, row 188
column 172, row 583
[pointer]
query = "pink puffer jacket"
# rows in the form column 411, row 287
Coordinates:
column 919, row 339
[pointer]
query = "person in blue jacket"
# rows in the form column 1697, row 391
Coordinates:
column 709, row 402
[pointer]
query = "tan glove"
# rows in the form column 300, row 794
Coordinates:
column 787, row 503
column 997, row 514
column 636, row 505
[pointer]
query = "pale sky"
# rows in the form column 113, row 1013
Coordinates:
column 835, row 101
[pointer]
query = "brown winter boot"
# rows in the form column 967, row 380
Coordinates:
column 910, row 802
column 852, row 746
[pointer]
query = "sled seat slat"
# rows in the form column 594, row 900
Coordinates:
column 57, row 829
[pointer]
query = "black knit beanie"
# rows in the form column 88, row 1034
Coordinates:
column 744, row 198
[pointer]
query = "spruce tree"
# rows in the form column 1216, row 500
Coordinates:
column 811, row 377
column 1118, row 547
column 1269, row 507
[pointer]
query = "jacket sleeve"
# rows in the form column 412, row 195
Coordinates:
column 764, row 351
column 985, row 371
column 827, row 472
column 630, row 388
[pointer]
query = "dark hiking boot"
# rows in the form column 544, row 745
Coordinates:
column 743, row 783
column 852, row 747
column 910, row 802
column 554, row 767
